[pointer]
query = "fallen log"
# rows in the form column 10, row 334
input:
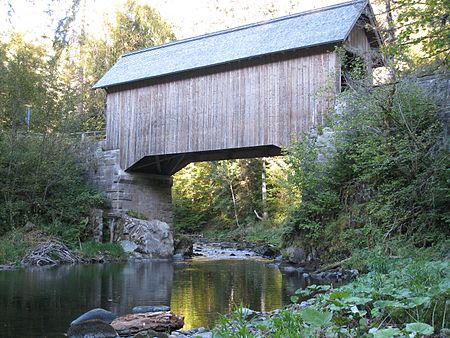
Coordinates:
column 158, row 321
column 332, row 266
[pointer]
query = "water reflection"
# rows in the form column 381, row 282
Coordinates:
column 42, row 302
column 203, row 289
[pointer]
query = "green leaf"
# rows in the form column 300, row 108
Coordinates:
column 416, row 301
column 316, row 318
column 294, row 299
column 339, row 295
column 357, row 300
column 388, row 304
column 419, row 328
column 385, row 333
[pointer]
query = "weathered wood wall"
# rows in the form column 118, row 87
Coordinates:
column 262, row 103
column 358, row 41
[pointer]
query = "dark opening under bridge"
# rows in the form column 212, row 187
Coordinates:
column 238, row 93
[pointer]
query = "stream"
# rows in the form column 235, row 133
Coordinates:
column 41, row 302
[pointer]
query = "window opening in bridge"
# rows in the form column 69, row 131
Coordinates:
column 353, row 69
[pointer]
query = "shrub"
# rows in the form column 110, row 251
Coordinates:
column 42, row 181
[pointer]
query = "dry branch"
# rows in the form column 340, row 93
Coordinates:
column 52, row 252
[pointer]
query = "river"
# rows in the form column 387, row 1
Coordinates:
column 41, row 302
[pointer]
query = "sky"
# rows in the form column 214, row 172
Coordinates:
column 187, row 17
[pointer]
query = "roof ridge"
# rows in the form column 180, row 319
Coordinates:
column 243, row 27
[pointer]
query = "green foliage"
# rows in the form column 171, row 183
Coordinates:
column 421, row 31
column 408, row 299
column 136, row 214
column 234, row 326
column 41, row 181
column 223, row 196
column 13, row 247
column 91, row 249
column 309, row 176
column 26, row 81
column 386, row 178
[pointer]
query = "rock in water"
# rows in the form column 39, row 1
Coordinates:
column 150, row 334
column 92, row 329
column 159, row 321
column 153, row 238
column 184, row 246
column 98, row 314
column 296, row 255
column 156, row 308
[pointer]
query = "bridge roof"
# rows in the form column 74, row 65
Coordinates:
column 316, row 27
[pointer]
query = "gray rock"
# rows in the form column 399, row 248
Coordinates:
column 267, row 251
column 184, row 246
column 246, row 313
column 296, row 255
column 288, row 269
column 150, row 334
column 151, row 308
column 97, row 314
column 29, row 226
column 128, row 246
column 203, row 335
column 92, row 329
column 153, row 238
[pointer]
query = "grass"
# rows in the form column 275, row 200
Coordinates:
column 93, row 249
column 15, row 244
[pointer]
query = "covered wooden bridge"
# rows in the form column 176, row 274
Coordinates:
column 238, row 93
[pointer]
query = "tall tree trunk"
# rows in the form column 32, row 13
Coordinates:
column 264, row 190
column 390, row 22
column 234, row 204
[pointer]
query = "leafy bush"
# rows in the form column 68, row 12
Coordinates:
column 385, row 178
column 42, row 181
column 398, row 298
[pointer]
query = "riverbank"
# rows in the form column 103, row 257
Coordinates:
column 399, row 297
column 33, row 247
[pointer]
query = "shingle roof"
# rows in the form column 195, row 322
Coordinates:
column 306, row 29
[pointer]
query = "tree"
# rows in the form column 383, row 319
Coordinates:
column 26, row 82
column 135, row 27
column 418, row 32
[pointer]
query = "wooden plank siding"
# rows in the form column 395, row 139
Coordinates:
column 264, row 103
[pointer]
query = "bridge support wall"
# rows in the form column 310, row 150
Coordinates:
column 148, row 194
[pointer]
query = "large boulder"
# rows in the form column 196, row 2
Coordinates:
column 93, row 329
column 153, row 238
column 295, row 255
column 267, row 250
column 158, row 321
column 97, row 314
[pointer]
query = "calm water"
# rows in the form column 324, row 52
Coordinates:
column 42, row 302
